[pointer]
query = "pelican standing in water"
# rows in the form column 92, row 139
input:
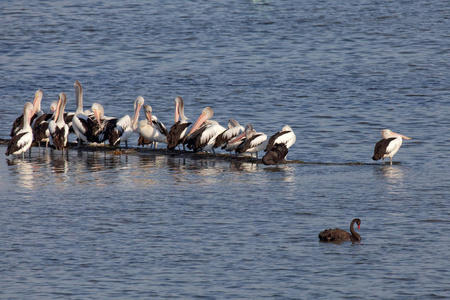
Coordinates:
column 204, row 132
column 23, row 138
column 83, row 124
column 37, row 112
column 126, row 125
column 389, row 145
column 234, row 130
column 286, row 136
column 178, row 130
column 40, row 127
column 151, row 129
column 57, row 127
column 253, row 141
column 106, row 126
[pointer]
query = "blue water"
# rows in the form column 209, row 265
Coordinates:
column 148, row 224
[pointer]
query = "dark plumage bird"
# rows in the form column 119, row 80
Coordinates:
column 275, row 155
column 339, row 235
column 178, row 130
column 57, row 127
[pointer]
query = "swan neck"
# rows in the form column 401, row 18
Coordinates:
column 353, row 232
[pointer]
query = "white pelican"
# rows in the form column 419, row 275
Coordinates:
column 234, row 130
column 151, row 129
column 22, row 140
column 83, row 123
column 178, row 130
column 389, row 145
column 57, row 127
column 253, row 142
column 127, row 125
column 37, row 112
column 286, row 136
column 204, row 132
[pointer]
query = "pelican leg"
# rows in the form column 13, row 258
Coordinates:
column 391, row 160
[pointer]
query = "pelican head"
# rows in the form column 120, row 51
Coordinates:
column 387, row 133
column 207, row 114
column 53, row 106
column 99, row 112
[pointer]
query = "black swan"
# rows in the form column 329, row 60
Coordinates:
column 339, row 235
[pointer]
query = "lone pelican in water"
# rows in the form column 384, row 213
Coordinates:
column 389, row 145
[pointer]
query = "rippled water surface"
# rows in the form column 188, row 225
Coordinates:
column 152, row 224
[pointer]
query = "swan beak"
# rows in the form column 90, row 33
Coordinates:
column 359, row 226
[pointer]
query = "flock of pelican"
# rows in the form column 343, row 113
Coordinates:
column 93, row 127
column 206, row 135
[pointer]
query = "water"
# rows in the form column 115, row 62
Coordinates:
column 140, row 225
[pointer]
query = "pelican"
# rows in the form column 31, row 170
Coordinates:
column 204, row 132
column 234, row 130
column 40, row 127
column 286, row 136
column 253, row 142
column 17, row 125
column 106, row 126
column 83, row 123
column 178, row 130
column 151, row 129
column 22, row 140
column 389, row 145
column 57, row 127
column 127, row 125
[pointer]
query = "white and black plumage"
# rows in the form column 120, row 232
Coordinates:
column 83, row 123
column 151, row 129
column 389, row 145
column 59, row 130
column 204, row 132
column 126, row 125
column 234, row 130
column 17, row 125
column 339, row 235
column 40, row 127
column 106, row 126
column 253, row 141
column 178, row 130
column 286, row 136
column 23, row 138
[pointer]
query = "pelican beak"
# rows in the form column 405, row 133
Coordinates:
column 238, row 138
column 149, row 118
column 198, row 123
column 177, row 113
column 136, row 116
column 58, row 107
column 403, row 136
column 97, row 117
